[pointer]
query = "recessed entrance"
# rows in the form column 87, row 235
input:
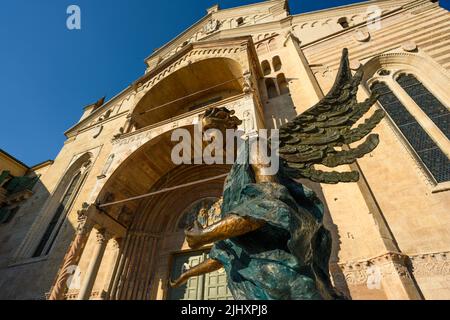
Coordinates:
column 212, row 286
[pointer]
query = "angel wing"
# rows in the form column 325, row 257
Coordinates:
column 320, row 135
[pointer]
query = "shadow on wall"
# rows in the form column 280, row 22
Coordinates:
column 34, row 240
column 336, row 273
column 23, row 199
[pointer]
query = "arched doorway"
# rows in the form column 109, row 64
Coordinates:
column 155, row 240
column 155, row 243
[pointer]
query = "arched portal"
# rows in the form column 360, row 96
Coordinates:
column 189, row 88
column 154, row 237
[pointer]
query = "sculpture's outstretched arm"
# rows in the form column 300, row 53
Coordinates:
column 230, row 227
column 208, row 266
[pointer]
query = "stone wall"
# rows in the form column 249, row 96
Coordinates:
column 391, row 231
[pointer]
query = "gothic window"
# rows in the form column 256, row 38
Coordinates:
column 265, row 65
column 276, row 61
column 271, row 88
column 58, row 218
column 282, row 84
column 426, row 148
column 426, row 101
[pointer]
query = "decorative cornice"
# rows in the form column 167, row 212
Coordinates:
column 225, row 45
column 432, row 264
column 219, row 15
column 369, row 272
column 73, row 295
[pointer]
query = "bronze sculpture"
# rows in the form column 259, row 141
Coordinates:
column 271, row 240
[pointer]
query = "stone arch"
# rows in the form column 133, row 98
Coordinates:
column 216, row 78
column 271, row 88
column 276, row 62
column 425, row 68
column 151, row 242
column 283, row 84
column 154, row 156
column 152, row 238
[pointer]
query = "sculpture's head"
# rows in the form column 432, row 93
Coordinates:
column 220, row 119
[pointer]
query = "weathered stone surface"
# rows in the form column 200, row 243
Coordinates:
column 372, row 225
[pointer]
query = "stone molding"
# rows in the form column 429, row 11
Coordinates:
column 73, row 295
column 234, row 48
column 432, row 264
column 126, row 144
column 392, row 264
column 358, row 273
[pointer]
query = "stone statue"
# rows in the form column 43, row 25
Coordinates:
column 271, row 239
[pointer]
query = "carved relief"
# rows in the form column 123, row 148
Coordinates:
column 82, row 225
column 205, row 212
column 371, row 272
column 248, row 121
column 107, row 166
column 391, row 264
column 211, row 26
column 125, row 216
column 431, row 265
column 248, row 83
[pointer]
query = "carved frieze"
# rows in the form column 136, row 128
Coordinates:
column 436, row 264
column 211, row 26
column 371, row 272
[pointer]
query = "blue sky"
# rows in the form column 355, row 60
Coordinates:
column 48, row 73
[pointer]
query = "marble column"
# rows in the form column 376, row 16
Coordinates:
column 116, row 247
column 90, row 276
column 72, row 257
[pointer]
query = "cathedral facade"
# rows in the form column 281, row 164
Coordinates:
column 85, row 231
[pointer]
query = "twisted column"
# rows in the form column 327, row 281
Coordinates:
column 72, row 257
